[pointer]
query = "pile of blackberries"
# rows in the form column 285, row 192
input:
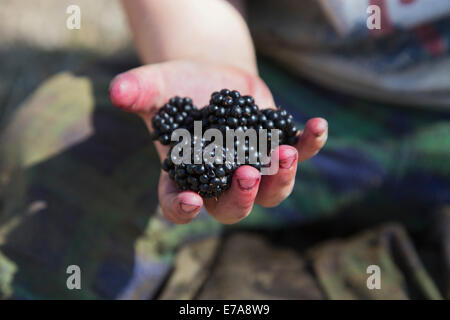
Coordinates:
column 208, row 178
column 226, row 110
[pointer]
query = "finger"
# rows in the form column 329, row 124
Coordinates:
column 312, row 138
column 275, row 188
column 237, row 202
column 178, row 207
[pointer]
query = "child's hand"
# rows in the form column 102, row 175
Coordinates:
column 143, row 90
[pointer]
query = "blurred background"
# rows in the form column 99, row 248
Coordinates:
column 380, row 187
column 35, row 43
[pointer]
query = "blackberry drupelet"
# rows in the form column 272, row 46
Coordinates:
column 209, row 178
column 176, row 113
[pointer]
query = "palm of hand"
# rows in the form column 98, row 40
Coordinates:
column 144, row 89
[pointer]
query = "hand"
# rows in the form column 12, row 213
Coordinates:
column 144, row 89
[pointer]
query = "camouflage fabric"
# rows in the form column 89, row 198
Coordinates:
column 78, row 186
column 78, row 183
column 251, row 267
column 294, row 265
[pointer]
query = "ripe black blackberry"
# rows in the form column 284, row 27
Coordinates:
column 204, row 176
column 283, row 121
column 176, row 113
column 229, row 110
column 209, row 179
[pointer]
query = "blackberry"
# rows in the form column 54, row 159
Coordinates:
column 283, row 121
column 176, row 113
column 209, row 179
column 227, row 109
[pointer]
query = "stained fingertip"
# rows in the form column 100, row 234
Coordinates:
column 275, row 188
column 287, row 156
column 312, row 138
column 316, row 126
column 247, row 178
column 185, row 207
column 236, row 203
column 178, row 207
column 188, row 208
column 189, row 202
column 124, row 91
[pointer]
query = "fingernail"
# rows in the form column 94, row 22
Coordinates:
column 288, row 162
column 247, row 184
column 188, row 208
